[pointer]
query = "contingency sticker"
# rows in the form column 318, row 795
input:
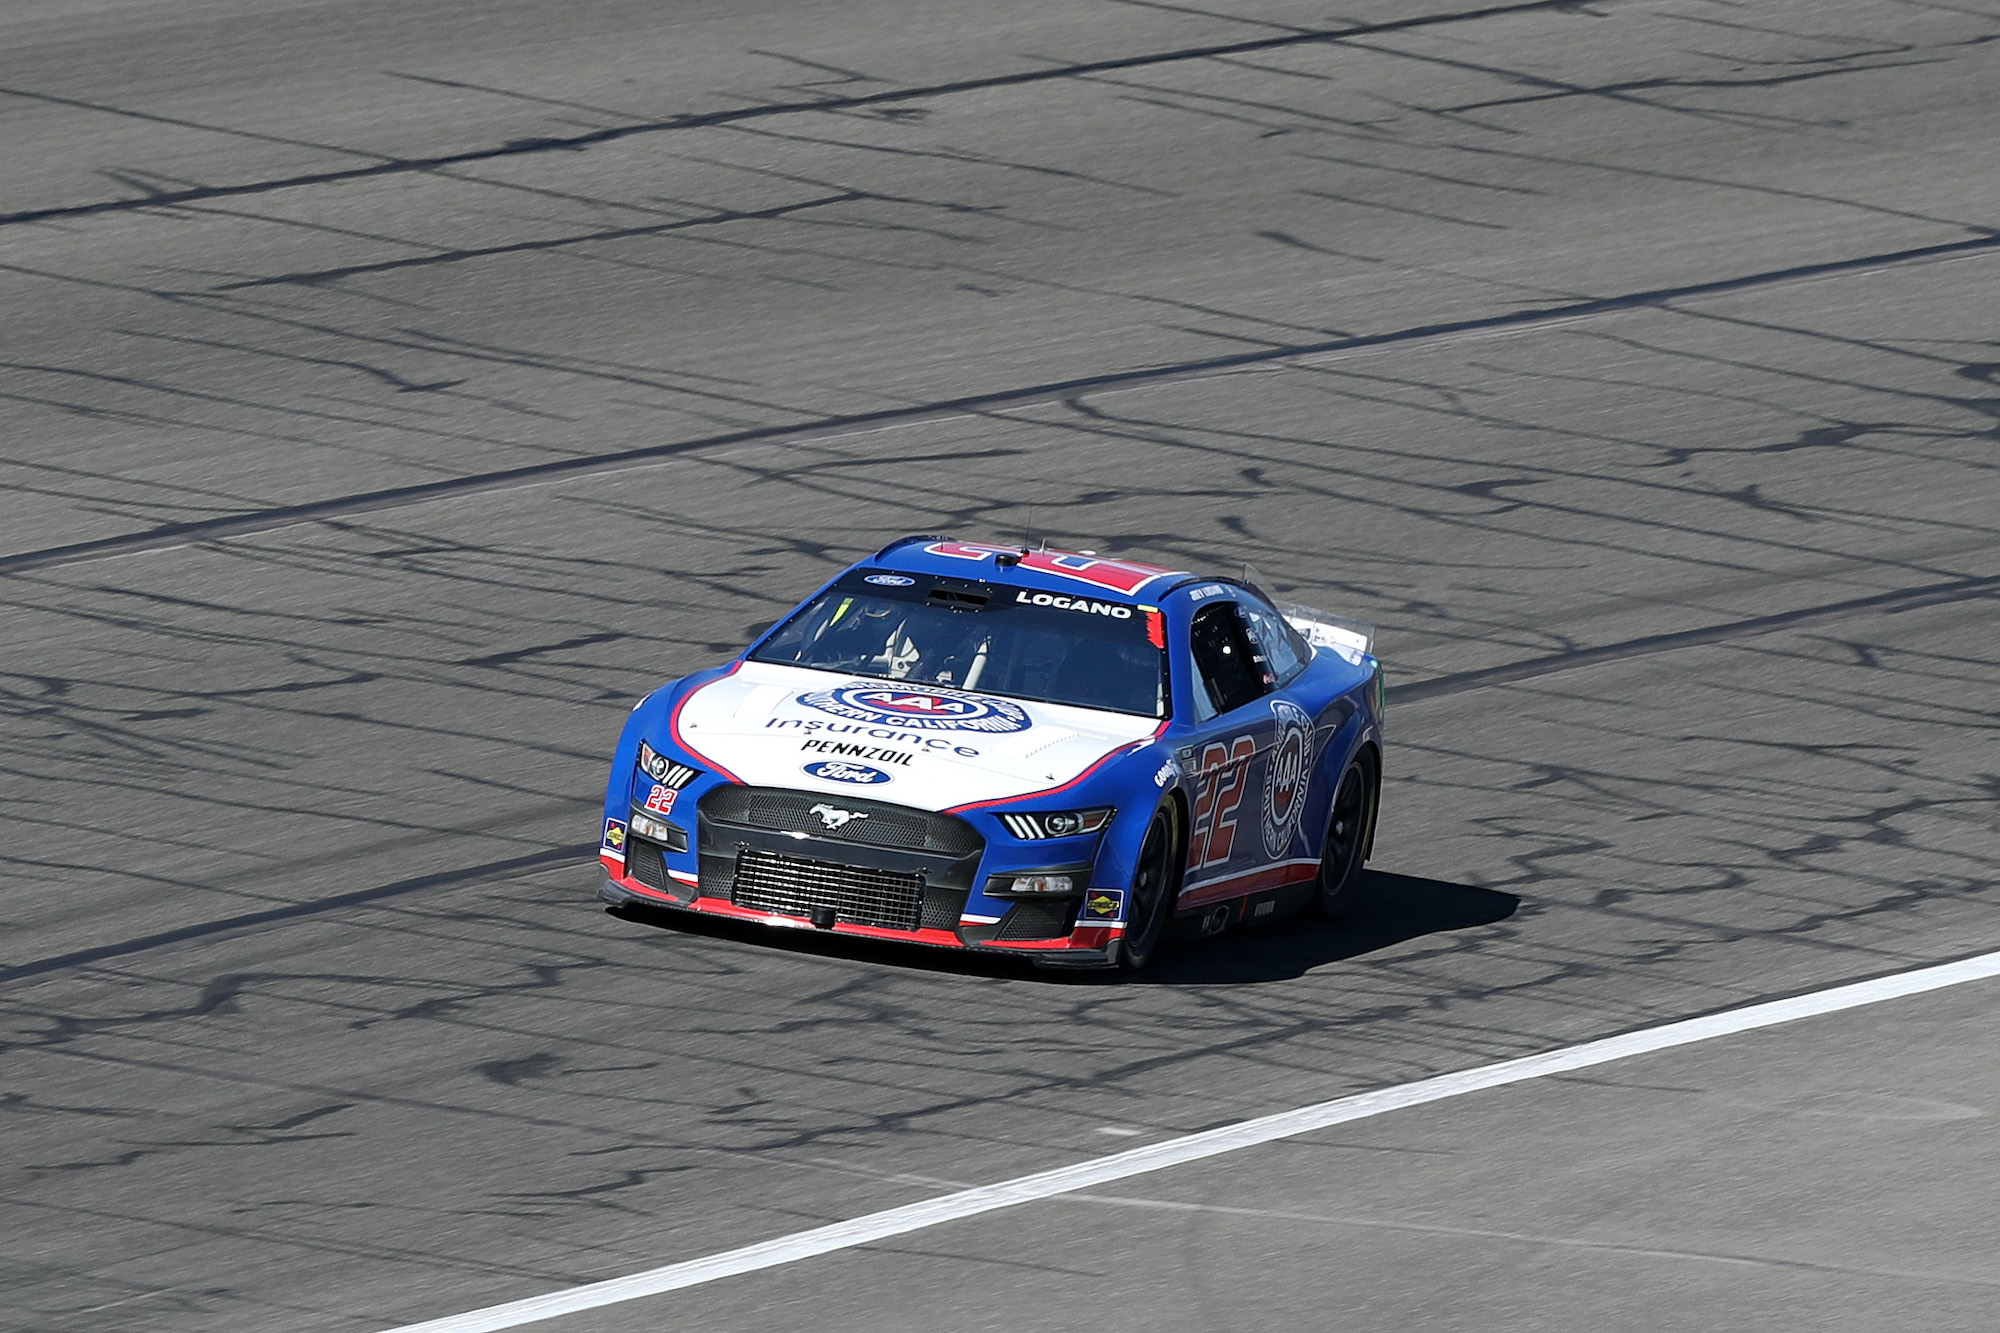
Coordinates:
column 1104, row 905
column 614, row 838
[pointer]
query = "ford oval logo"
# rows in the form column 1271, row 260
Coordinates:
column 889, row 580
column 839, row 770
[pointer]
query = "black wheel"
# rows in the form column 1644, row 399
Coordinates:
column 1149, row 902
column 1347, row 830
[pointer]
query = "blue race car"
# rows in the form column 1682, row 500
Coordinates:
column 1026, row 751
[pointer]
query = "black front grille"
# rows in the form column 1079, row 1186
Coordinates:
column 644, row 863
column 1036, row 920
column 858, row 895
column 874, row 823
column 943, row 907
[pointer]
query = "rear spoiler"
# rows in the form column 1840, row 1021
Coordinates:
column 1352, row 639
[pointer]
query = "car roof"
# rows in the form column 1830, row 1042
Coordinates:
column 1076, row 573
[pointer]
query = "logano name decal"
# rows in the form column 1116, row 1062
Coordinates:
column 1062, row 603
column 919, row 709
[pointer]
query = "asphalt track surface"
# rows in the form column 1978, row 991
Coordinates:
column 392, row 394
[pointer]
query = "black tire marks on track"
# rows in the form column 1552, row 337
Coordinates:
column 1901, row 599
column 172, row 535
column 1898, row 599
column 703, row 120
column 513, row 865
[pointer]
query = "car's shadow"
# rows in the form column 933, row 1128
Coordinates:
column 1388, row 910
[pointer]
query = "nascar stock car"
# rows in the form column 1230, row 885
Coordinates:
column 997, row 748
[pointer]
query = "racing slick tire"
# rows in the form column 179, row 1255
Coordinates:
column 1350, row 827
column 1150, row 900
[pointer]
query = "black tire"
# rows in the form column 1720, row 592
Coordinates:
column 1349, row 826
column 1150, row 900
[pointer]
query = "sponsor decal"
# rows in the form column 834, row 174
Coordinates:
column 834, row 817
column 1224, row 768
column 1286, row 776
column 614, row 836
column 1207, row 590
column 840, row 770
column 1125, row 576
column 1166, row 773
column 918, row 709
column 881, row 754
column 969, row 550
column 889, row 580
column 813, row 726
column 661, row 799
column 1104, row 905
column 1062, row 603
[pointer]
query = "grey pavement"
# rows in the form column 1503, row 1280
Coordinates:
column 1807, row 1177
column 307, row 1018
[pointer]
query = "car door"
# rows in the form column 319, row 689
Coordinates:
column 1233, row 729
column 1289, row 766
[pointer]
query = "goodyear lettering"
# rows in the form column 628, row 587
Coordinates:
column 1062, row 603
column 917, row 740
column 855, row 750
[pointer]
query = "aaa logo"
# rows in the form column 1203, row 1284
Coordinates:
column 1286, row 779
column 918, row 709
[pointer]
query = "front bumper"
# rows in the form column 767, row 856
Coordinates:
column 1078, row 946
column 783, row 857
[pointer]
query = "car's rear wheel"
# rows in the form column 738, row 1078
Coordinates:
column 1149, row 902
column 1347, row 829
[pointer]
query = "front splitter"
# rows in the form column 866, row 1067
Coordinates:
column 1087, row 946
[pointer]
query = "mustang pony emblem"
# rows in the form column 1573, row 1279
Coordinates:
column 835, row 818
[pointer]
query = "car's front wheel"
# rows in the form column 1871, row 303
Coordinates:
column 1149, row 902
column 1347, row 828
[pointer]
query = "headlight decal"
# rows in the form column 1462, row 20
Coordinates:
column 1057, row 823
column 667, row 772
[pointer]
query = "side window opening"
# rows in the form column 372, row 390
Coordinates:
column 1283, row 649
column 1204, row 699
column 1226, row 666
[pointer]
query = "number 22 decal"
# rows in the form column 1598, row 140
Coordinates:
column 1223, row 768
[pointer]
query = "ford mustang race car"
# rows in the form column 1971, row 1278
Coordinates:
column 997, row 748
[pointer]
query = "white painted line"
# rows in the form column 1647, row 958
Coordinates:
column 1195, row 1147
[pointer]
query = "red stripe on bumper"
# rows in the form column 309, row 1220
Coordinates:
column 1085, row 939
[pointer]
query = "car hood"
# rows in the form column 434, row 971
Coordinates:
column 916, row 745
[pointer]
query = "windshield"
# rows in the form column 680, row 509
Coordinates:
column 1050, row 647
